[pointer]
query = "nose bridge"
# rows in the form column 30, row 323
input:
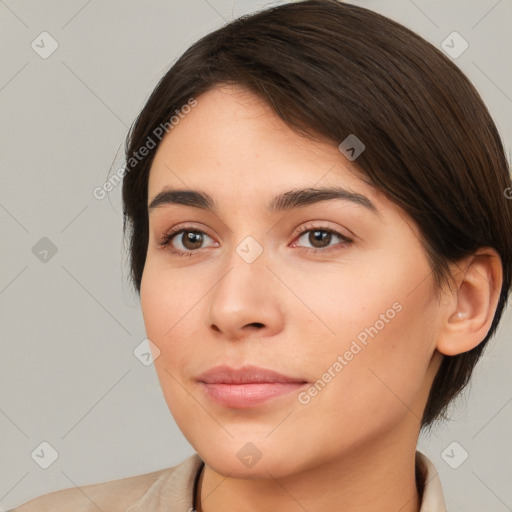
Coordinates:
column 246, row 272
column 250, row 249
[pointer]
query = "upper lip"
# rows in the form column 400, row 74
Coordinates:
column 245, row 375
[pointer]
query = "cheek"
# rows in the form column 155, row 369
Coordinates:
column 166, row 301
column 174, row 305
column 376, row 340
column 169, row 322
column 166, row 307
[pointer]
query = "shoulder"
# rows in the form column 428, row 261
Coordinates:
column 114, row 495
column 429, row 485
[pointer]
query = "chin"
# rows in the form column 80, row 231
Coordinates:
column 228, row 463
column 251, row 458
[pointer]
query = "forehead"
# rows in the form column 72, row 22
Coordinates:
column 233, row 140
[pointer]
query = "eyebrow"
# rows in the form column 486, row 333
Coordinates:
column 297, row 198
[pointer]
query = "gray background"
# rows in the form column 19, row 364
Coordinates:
column 69, row 325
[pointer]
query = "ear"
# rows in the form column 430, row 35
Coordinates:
column 469, row 307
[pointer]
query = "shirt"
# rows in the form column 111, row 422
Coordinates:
column 173, row 489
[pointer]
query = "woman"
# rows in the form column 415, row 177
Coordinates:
column 315, row 199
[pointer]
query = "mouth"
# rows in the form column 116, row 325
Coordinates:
column 248, row 386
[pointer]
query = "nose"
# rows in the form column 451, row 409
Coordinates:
column 246, row 300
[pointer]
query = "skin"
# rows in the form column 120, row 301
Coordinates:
column 354, row 442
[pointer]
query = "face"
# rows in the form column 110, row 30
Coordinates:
column 331, row 292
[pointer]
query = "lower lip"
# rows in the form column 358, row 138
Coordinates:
column 241, row 396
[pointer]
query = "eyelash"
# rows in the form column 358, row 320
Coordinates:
column 165, row 241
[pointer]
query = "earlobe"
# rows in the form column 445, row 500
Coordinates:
column 470, row 311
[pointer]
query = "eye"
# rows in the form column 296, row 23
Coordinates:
column 184, row 240
column 320, row 238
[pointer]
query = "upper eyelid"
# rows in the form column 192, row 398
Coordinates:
column 297, row 231
column 344, row 238
column 310, row 226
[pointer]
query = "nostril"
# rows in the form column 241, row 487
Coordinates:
column 257, row 324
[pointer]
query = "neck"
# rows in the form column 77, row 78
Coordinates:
column 375, row 478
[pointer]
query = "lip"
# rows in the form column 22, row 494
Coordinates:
column 248, row 374
column 248, row 386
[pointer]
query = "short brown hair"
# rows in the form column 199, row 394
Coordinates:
column 331, row 69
